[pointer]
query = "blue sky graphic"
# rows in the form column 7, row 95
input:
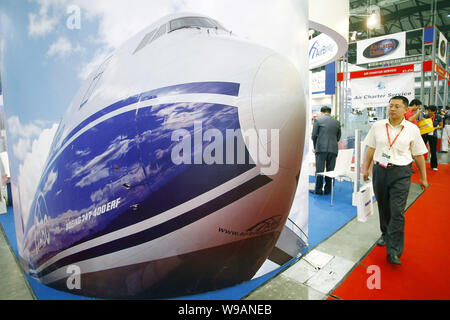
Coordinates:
column 42, row 85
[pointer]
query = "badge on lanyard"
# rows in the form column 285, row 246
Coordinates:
column 384, row 160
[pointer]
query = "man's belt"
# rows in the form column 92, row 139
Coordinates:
column 391, row 165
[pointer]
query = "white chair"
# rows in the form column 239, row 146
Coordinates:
column 341, row 170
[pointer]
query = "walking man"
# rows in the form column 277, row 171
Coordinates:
column 432, row 137
column 393, row 144
column 325, row 136
column 414, row 112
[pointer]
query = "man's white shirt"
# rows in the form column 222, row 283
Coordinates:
column 408, row 144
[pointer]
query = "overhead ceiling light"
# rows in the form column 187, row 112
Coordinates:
column 373, row 21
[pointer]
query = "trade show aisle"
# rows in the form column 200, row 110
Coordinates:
column 423, row 273
column 316, row 275
column 337, row 241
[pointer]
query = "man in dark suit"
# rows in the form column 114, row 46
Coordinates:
column 325, row 136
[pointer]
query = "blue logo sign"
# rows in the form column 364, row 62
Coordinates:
column 381, row 48
column 318, row 50
column 381, row 86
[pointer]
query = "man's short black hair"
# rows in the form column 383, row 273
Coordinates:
column 404, row 99
column 325, row 109
column 415, row 102
column 432, row 108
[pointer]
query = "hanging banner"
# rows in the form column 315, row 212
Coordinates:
column 428, row 35
column 330, row 78
column 392, row 46
column 376, row 91
column 317, row 84
column 381, row 71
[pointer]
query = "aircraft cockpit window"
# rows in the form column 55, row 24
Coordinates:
column 219, row 25
column 161, row 31
column 180, row 23
column 95, row 81
column 148, row 37
column 192, row 22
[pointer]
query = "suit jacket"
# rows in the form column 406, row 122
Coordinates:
column 326, row 134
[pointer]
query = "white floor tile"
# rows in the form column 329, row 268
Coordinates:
column 328, row 277
column 300, row 271
column 318, row 259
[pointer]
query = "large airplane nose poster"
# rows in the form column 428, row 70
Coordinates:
column 155, row 146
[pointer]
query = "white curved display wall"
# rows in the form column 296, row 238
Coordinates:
column 99, row 95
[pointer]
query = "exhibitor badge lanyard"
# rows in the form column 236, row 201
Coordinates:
column 385, row 157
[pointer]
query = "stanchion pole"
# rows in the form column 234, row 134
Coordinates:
column 357, row 182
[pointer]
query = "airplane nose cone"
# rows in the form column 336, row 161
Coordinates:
column 278, row 103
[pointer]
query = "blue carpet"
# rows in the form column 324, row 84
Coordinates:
column 324, row 221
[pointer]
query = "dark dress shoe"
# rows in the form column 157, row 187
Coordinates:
column 394, row 259
column 316, row 192
column 381, row 242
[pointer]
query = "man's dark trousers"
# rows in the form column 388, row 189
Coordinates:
column 391, row 188
column 432, row 141
column 324, row 160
